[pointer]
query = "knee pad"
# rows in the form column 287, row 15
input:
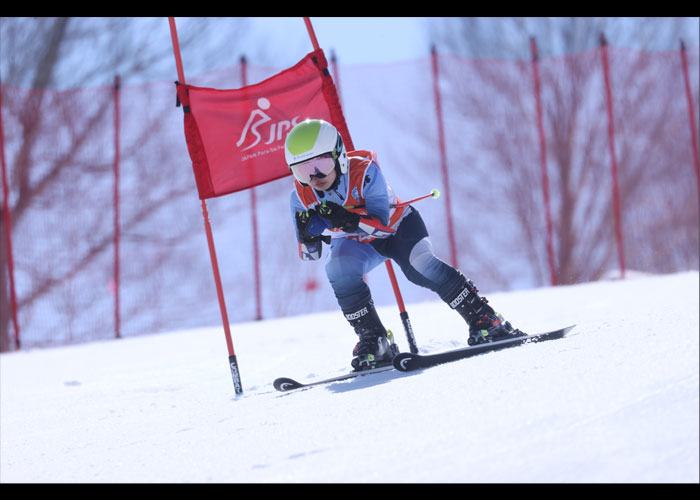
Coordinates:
column 421, row 256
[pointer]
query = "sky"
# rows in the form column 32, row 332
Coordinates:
column 367, row 40
column 355, row 40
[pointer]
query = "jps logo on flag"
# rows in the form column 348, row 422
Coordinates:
column 260, row 125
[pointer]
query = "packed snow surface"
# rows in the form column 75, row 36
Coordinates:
column 615, row 401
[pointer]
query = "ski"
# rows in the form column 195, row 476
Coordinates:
column 284, row 384
column 407, row 361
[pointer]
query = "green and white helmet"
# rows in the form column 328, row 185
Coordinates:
column 312, row 138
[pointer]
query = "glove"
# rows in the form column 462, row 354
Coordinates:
column 338, row 217
column 303, row 221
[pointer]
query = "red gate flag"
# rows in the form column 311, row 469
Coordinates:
column 236, row 137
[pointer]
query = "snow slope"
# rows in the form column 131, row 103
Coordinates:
column 616, row 401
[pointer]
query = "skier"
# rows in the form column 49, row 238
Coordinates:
column 341, row 197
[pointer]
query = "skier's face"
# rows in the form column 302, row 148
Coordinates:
column 323, row 183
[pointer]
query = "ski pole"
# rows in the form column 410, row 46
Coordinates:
column 434, row 193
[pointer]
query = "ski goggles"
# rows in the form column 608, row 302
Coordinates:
column 318, row 167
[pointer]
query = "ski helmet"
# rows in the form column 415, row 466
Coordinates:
column 312, row 138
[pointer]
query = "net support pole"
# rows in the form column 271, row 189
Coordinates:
column 613, row 160
column 117, row 323
column 254, row 222
column 334, row 65
column 543, row 163
column 443, row 155
column 8, row 231
column 233, row 363
column 408, row 329
column 691, row 114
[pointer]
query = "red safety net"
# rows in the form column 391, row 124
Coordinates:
column 59, row 148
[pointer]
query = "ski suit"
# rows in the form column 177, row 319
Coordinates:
column 396, row 233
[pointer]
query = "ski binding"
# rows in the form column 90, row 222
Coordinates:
column 407, row 361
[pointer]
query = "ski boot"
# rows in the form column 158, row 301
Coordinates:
column 485, row 324
column 489, row 327
column 376, row 346
column 374, row 350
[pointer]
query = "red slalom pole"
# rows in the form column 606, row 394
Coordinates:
column 233, row 363
column 402, row 308
column 312, row 34
column 389, row 267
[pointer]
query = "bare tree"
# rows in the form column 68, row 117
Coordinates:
column 59, row 153
column 493, row 92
